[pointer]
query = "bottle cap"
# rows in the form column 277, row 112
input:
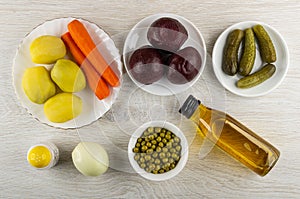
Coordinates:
column 189, row 106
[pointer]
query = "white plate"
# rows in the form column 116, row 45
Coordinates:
column 184, row 152
column 93, row 108
column 282, row 63
column 137, row 38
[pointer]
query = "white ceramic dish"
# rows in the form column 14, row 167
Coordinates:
column 137, row 38
column 282, row 63
column 184, row 152
column 93, row 108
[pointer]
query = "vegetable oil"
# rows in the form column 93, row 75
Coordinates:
column 231, row 136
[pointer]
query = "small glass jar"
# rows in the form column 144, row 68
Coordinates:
column 44, row 155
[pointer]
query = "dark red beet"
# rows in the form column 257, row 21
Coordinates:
column 184, row 65
column 167, row 34
column 146, row 65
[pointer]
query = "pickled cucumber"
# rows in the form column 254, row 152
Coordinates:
column 249, row 54
column 63, row 107
column 37, row 84
column 230, row 55
column 258, row 77
column 267, row 49
column 47, row 49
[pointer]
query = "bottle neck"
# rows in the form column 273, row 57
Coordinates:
column 189, row 107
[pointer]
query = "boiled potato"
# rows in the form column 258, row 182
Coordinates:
column 37, row 84
column 47, row 49
column 68, row 76
column 90, row 159
column 63, row 107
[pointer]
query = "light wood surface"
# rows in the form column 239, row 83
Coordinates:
column 275, row 116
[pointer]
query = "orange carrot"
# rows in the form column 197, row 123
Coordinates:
column 96, row 83
column 85, row 43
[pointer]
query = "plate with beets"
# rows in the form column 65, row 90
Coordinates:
column 164, row 54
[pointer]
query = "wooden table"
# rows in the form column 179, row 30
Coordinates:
column 274, row 116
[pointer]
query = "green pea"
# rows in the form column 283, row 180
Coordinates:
column 172, row 166
column 158, row 149
column 178, row 148
column 138, row 145
column 148, row 144
column 146, row 133
column 158, row 139
column 171, row 160
column 167, row 165
column 155, row 171
column 161, row 171
column 168, row 154
column 153, row 147
column 157, row 161
column 157, row 129
column 143, row 165
column 161, row 144
column 154, row 155
column 137, row 157
column 173, row 150
column 174, row 155
column 155, row 135
column 164, row 130
column 135, row 150
column 165, row 150
column 149, row 151
column 139, row 140
column 165, row 160
column 143, row 143
column 168, row 136
column 144, row 148
column 157, row 167
column 162, row 135
column 169, row 145
column 142, row 160
column 151, row 160
column 153, row 142
column 150, row 129
column 151, row 137
column 148, row 170
column 164, row 140
column 162, row 155
column 177, row 139
column 147, row 157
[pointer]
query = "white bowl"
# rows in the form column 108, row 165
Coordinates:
column 282, row 62
column 137, row 38
column 184, row 151
column 93, row 108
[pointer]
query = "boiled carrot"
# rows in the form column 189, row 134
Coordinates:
column 96, row 83
column 85, row 43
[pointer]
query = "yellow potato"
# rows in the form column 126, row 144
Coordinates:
column 47, row 49
column 68, row 76
column 63, row 107
column 37, row 84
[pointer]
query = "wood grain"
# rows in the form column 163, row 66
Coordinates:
column 274, row 116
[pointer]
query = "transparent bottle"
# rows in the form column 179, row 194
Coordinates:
column 231, row 136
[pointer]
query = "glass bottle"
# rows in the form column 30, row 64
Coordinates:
column 231, row 136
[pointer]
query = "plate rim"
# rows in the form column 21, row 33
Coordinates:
column 282, row 41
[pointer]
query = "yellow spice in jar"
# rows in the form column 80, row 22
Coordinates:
column 39, row 156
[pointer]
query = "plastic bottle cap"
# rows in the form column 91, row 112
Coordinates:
column 39, row 156
column 189, row 106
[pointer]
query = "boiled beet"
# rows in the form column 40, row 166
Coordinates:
column 167, row 34
column 146, row 65
column 184, row 65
